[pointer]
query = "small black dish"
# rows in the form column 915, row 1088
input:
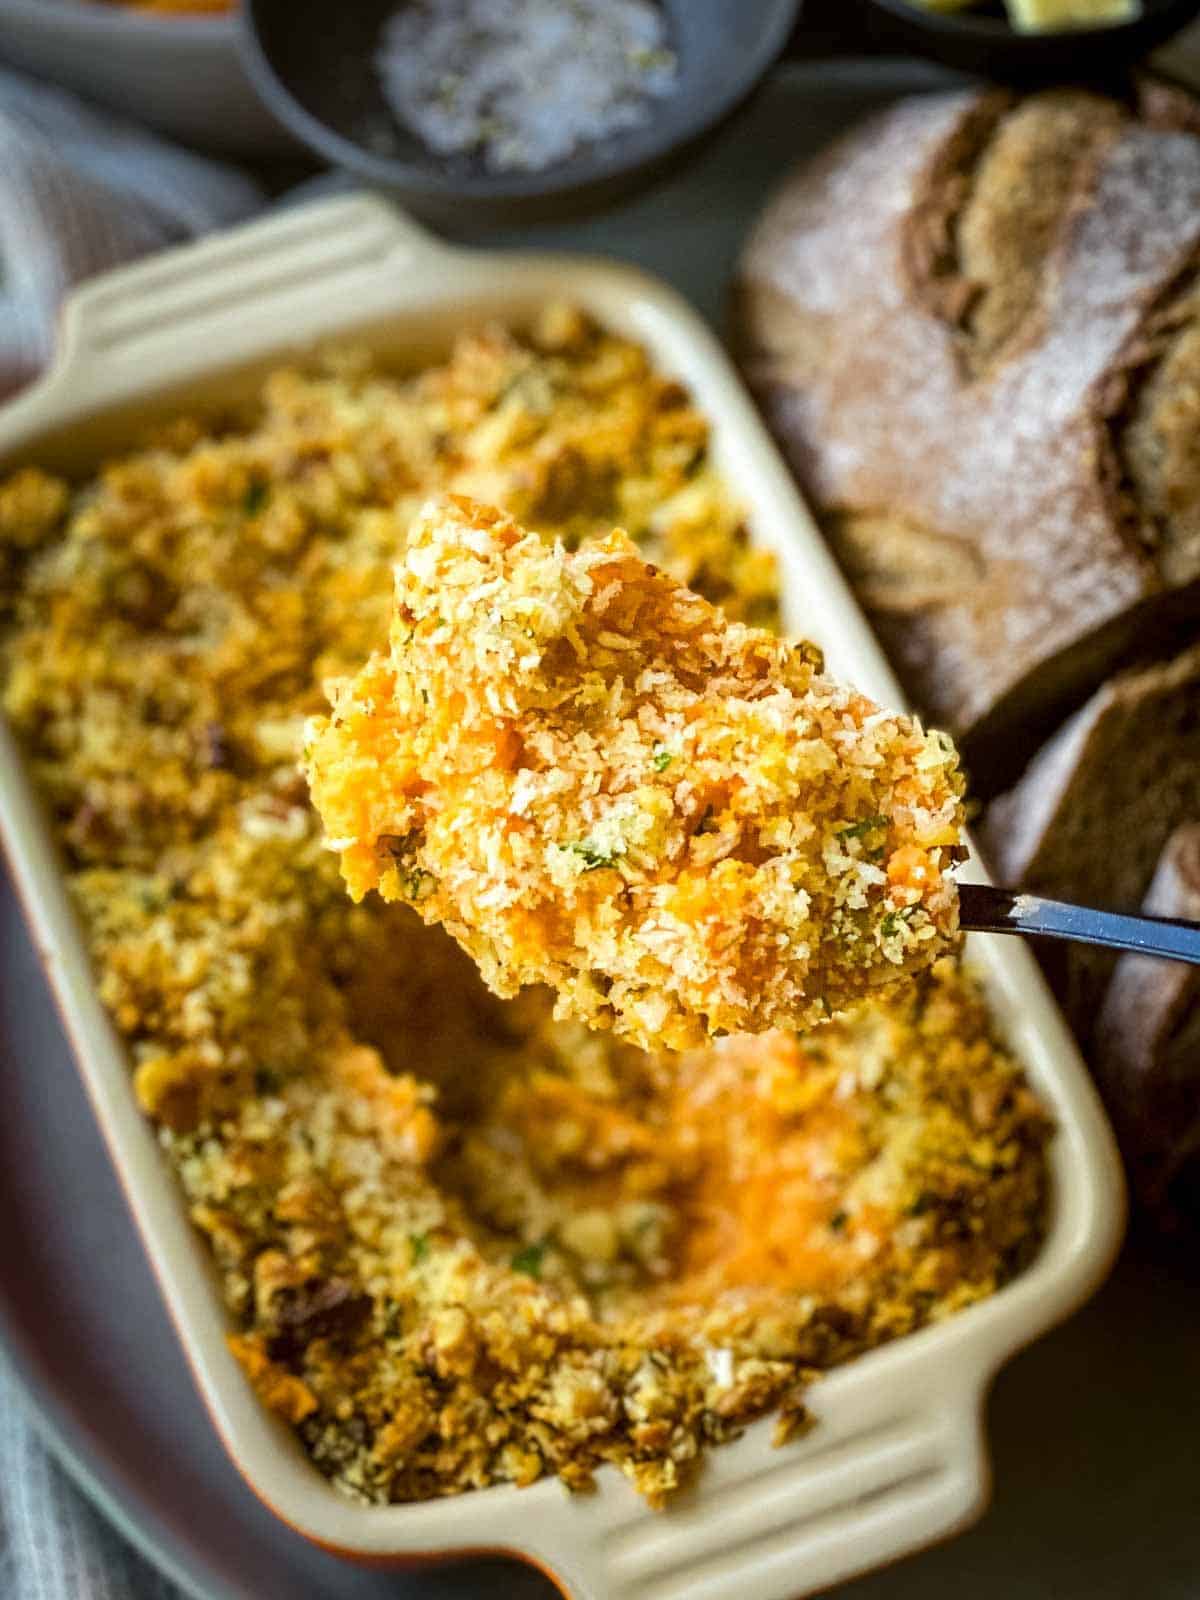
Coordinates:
column 989, row 46
column 313, row 64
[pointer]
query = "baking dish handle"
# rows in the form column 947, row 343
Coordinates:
column 185, row 311
column 897, row 1460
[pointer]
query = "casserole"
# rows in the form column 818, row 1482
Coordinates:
column 897, row 1457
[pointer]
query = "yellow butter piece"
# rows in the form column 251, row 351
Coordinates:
column 1050, row 16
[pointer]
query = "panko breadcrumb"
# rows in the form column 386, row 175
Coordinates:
column 596, row 781
column 460, row 1243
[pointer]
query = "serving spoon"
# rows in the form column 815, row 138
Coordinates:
column 985, row 909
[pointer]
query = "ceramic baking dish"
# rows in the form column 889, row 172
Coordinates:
column 898, row 1456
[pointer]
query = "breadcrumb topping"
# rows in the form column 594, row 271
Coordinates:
column 460, row 1242
column 594, row 780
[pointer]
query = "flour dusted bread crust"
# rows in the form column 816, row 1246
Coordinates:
column 972, row 326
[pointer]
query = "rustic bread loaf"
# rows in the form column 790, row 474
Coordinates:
column 973, row 325
column 1147, row 1050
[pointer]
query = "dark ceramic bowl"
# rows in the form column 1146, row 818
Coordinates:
column 313, row 64
column 988, row 45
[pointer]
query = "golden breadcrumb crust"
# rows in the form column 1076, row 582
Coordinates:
column 597, row 781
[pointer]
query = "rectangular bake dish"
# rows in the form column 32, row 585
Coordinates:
column 898, row 1457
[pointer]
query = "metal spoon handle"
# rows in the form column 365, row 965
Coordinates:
column 984, row 909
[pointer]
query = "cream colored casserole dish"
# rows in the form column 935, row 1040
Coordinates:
column 897, row 1457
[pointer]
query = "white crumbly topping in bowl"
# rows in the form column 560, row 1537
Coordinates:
column 524, row 84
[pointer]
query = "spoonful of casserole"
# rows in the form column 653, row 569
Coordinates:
column 597, row 782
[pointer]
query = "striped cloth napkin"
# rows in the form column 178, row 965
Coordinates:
column 80, row 191
column 53, row 1544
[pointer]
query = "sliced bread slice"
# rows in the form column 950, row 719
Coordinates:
column 1088, row 819
column 1090, row 815
column 1147, row 1044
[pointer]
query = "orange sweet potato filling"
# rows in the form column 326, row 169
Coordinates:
column 596, row 781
